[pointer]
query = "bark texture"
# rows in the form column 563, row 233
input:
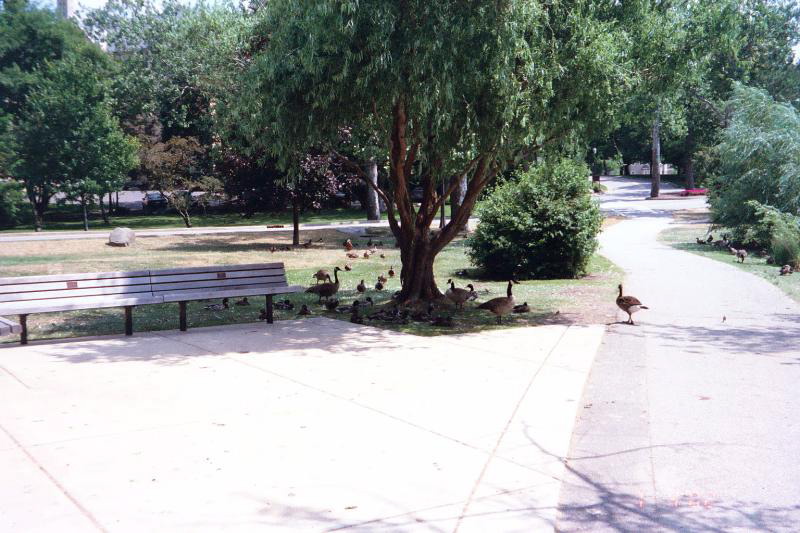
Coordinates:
column 655, row 158
column 373, row 205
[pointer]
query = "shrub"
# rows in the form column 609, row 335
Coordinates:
column 785, row 248
column 772, row 229
column 12, row 204
column 542, row 224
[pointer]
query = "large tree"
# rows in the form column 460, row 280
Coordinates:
column 449, row 90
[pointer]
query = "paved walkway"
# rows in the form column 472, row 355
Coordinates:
column 690, row 420
column 311, row 425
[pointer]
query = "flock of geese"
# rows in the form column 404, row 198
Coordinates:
column 740, row 254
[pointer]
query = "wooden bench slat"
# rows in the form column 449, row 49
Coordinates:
column 275, row 272
column 216, row 268
column 81, row 284
column 74, row 277
column 74, row 293
column 75, row 304
column 229, row 293
column 217, row 284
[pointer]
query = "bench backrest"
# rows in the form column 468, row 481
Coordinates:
column 68, row 286
column 177, row 283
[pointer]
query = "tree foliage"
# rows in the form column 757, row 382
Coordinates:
column 447, row 92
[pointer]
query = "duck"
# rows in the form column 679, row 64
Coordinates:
column 391, row 271
column 243, row 302
column 382, row 278
column 331, row 304
column 352, row 255
column 383, row 256
column 272, row 249
column 326, row 290
column 741, row 255
column 368, row 301
column 348, row 245
column 366, row 255
column 361, row 287
column 307, row 244
column 522, row 308
column 285, row 305
column 422, row 315
column 348, row 308
column 786, row 270
column 218, row 307
column 710, row 239
column 347, row 267
column 770, row 260
column 379, row 285
column 502, row 305
column 262, row 315
column 456, row 295
column 304, row 311
column 355, row 318
column 699, row 240
column 629, row 304
column 321, row 275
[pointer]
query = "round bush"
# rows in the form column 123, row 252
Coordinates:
column 541, row 224
column 12, row 204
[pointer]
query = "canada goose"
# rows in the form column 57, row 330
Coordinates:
column 379, row 285
column 522, row 308
column 699, row 240
column 347, row 267
column 786, row 270
column 391, row 271
column 331, row 304
column 285, row 305
column 502, row 305
column 321, row 275
column 304, row 311
column 473, row 294
column 456, row 295
column 218, row 307
column 348, row 245
column 382, row 278
column 327, row 289
column 361, row 287
column 243, row 301
column 741, row 255
column 629, row 304
column 710, row 239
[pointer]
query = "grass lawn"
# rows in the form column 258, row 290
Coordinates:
column 588, row 300
column 65, row 218
column 683, row 238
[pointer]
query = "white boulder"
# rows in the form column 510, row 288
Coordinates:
column 122, row 237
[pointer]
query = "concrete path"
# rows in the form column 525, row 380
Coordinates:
column 690, row 419
column 312, row 425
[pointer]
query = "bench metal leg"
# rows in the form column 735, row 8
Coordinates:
column 182, row 315
column 23, row 335
column 269, row 309
column 128, row 320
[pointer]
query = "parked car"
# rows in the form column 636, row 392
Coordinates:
column 153, row 202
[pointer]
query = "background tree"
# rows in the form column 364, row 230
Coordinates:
column 67, row 138
column 175, row 168
column 453, row 92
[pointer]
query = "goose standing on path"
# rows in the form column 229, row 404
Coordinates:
column 629, row 304
column 502, row 305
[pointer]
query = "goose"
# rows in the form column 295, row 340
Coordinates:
column 243, row 301
column 382, row 278
column 733, row 250
column 321, row 275
column 304, row 311
column 786, row 270
column 629, row 304
column 326, row 290
column 456, row 295
column 347, row 267
column 348, row 245
column 218, row 307
column 522, row 308
column 710, row 239
column 502, row 305
column 741, row 255
column 473, row 294
column 391, row 271
column 361, row 287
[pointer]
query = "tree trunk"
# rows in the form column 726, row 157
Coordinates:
column 688, row 170
column 38, row 216
column 373, row 206
column 416, row 274
column 457, row 198
column 103, row 211
column 85, row 214
column 295, row 224
column 186, row 218
column 655, row 159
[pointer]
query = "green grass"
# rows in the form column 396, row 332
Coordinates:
column 587, row 300
column 683, row 238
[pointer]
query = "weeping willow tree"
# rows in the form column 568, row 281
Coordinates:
column 760, row 156
column 448, row 91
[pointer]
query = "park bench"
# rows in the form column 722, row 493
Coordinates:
column 25, row 295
